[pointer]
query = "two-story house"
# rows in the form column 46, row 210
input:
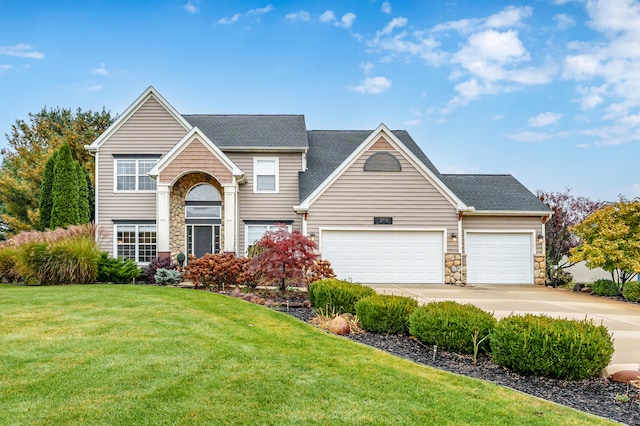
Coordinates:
column 379, row 210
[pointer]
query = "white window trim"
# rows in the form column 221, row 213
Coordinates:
column 255, row 174
column 115, row 177
column 186, row 216
column 137, row 243
column 247, row 243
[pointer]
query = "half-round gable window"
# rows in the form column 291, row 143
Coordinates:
column 382, row 162
column 203, row 201
column 203, row 192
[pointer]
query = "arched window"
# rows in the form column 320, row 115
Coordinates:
column 382, row 162
column 203, row 201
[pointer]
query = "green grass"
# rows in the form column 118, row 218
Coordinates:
column 128, row 355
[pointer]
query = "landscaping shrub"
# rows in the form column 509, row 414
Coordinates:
column 607, row 288
column 149, row 272
column 557, row 348
column 167, row 276
column 452, row 326
column 333, row 296
column 631, row 291
column 8, row 271
column 216, row 270
column 385, row 313
column 116, row 270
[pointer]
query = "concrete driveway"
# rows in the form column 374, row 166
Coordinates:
column 622, row 319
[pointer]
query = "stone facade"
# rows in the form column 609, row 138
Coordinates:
column 539, row 270
column 455, row 269
column 177, row 229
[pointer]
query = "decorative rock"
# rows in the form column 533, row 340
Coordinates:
column 248, row 297
column 626, row 376
column 339, row 325
column 236, row 292
column 586, row 290
column 258, row 300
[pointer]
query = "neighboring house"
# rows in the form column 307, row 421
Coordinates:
column 377, row 207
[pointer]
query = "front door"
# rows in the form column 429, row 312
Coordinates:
column 202, row 240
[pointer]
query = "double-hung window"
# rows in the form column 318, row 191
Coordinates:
column 265, row 174
column 132, row 174
column 255, row 232
column 136, row 242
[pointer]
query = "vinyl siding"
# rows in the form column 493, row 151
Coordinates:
column 196, row 156
column 150, row 130
column 504, row 223
column 356, row 197
column 261, row 206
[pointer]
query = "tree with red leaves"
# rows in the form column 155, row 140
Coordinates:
column 282, row 258
column 568, row 211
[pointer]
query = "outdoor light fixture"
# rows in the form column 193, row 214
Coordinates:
column 540, row 236
column 312, row 236
column 454, row 236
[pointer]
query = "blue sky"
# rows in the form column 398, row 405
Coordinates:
column 546, row 90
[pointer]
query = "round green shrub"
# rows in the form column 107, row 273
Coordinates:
column 333, row 297
column 631, row 291
column 557, row 348
column 385, row 313
column 607, row 288
column 452, row 326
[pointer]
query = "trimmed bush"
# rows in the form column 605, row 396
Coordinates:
column 452, row 326
column 557, row 348
column 631, row 291
column 385, row 314
column 167, row 276
column 217, row 270
column 333, row 296
column 607, row 288
column 149, row 272
column 116, row 270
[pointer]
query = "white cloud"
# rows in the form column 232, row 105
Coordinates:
column 414, row 122
column 258, row 12
column 101, row 70
column 261, row 10
column 366, row 67
column 372, row 85
column 392, row 25
column 347, row 20
column 528, row 136
column 583, row 146
column 544, row 119
column 21, row 51
column 191, row 7
column 564, row 21
column 510, row 16
column 301, row 15
column 327, row 16
column 386, row 7
column 229, row 20
column 5, row 67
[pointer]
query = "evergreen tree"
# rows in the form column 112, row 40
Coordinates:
column 91, row 195
column 64, row 190
column 83, row 194
column 46, row 198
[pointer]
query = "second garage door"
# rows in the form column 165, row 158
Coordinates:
column 385, row 256
column 499, row 258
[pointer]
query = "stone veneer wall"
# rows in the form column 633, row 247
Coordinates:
column 455, row 269
column 177, row 230
column 539, row 269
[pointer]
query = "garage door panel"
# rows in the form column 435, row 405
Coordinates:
column 499, row 258
column 385, row 256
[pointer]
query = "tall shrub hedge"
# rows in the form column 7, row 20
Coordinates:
column 333, row 296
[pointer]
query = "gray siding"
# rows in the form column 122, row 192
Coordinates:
column 150, row 130
column 257, row 206
column 504, row 223
column 356, row 197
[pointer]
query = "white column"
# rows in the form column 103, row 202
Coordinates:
column 460, row 235
column 304, row 225
column 162, row 215
column 230, row 219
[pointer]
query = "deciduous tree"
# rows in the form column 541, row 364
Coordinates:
column 283, row 257
column 568, row 211
column 611, row 240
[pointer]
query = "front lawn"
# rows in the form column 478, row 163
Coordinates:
column 114, row 354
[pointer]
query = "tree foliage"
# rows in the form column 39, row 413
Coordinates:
column 611, row 240
column 568, row 211
column 30, row 143
column 65, row 190
column 282, row 258
column 46, row 197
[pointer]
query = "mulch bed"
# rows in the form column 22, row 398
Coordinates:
column 595, row 396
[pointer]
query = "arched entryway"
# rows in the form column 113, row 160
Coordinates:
column 203, row 214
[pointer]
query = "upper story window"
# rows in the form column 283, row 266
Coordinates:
column 203, row 202
column 382, row 162
column 132, row 174
column 265, row 174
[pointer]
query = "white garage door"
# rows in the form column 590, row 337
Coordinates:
column 494, row 258
column 385, row 256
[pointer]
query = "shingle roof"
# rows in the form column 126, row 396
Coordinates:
column 252, row 131
column 494, row 193
column 329, row 148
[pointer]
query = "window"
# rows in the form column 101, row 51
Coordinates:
column 382, row 162
column 132, row 175
column 203, row 202
column 256, row 232
column 265, row 171
column 136, row 242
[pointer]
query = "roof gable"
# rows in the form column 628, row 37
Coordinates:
column 328, row 162
column 151, row 92
column 195, row 134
